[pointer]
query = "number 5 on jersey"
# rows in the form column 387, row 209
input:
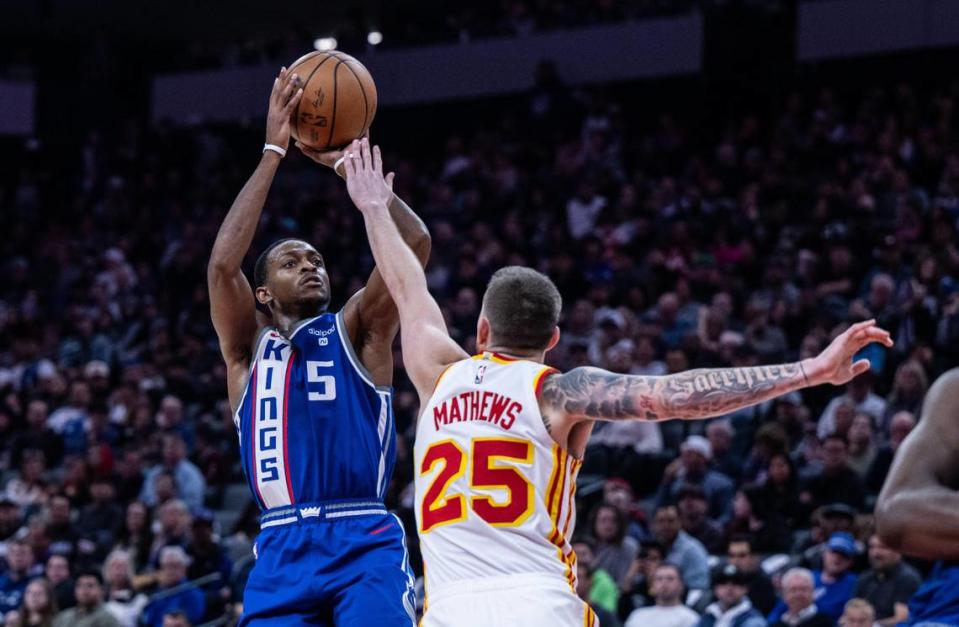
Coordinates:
column 488, row 472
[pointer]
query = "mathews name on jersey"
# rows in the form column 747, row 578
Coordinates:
column 495, row 501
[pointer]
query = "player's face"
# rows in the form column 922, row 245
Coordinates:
column 297, row 277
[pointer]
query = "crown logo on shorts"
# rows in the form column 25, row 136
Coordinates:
column 310, row 512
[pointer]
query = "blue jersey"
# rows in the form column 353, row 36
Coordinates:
column 937, row 600
column 312, row 424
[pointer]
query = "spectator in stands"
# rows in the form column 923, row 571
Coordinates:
column 888, row 584
column 175, row 522
column 900, row 425
column 38, row 609
column 693, row 469
column 768, row 527
column 860, row 395
column 123, row 601
column 779, row 492
column 603, row 590
column 908, row 391
column 740, row 553
column 720, row 434
column 681, row 549
column 57, row 574
column 64, row 539
column 858, row 613
column 584, row 583
column 615, row 551
column 692, row 513
column 9, row 521
column 190, row 485
column 28, row 490
column 825, row 522
column 798, row 591
column 836, row 482
column 668, row 591
column 38, row 436
column 732, row 607
column 90, row 611
column 207, row 557
column 14, row 581
column 176, row 619
column 835, row 583
column 173, row 592
column 637, row 586
column 862, row 447
column 136, row 536
column 99, row 521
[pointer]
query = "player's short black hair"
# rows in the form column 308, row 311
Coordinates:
column 522, row 306
column 259, row 269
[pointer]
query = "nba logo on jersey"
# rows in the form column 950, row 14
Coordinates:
column 480, row 374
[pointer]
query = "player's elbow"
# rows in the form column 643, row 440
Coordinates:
column 219, row 266
column 892, row 521
column 421, row 243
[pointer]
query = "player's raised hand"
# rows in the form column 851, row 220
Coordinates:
column 329, row 158
column 835, row 365
column 368, row 188
column 283, row 99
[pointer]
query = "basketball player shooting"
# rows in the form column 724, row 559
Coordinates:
column 312, row 402
column 918, row 508
column 501, row 436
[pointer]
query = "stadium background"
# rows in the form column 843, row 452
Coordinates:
column 738, row 213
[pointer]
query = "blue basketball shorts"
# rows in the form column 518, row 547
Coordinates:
column 337, row 563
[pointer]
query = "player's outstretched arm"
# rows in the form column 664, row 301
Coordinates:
column 371, row 316
column 427, row 346
column 231, row 299
column 918, row 508
column 593, row 393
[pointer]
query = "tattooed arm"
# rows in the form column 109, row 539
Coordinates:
column 592, row 393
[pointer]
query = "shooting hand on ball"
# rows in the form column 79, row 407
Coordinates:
column 368, row 188
column 328, row 157
column 283, row 99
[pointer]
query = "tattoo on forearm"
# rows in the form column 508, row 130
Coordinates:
column 693, row 394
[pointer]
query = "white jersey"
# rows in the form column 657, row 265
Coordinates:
column 494, row 491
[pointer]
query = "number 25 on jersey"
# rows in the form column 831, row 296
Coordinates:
column 487, row 471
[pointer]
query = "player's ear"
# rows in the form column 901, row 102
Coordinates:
column 263, row 295
column 553, row 341
column 482, row 333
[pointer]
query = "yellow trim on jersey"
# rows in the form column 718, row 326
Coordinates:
column 538, row 379
column 440, row 378
column 556, row 537
column 491, row 465
column 573, row 474
column 496, row 359
column 441, row 495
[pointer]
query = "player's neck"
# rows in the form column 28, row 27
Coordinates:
column 286, row 322
column 517, row 353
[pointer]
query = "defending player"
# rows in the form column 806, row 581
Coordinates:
column 500, row 437
column 312, row 402
column 918, row 508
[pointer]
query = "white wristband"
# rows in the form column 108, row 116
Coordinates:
column 274, row 148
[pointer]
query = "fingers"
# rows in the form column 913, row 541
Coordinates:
column 288, row 86
column 860, row 367
column 278, row 83
column 365, row 153
column 389, row 180
column 349, row 164
column 288, row 109
column 377, row 159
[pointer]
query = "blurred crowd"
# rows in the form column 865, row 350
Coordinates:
column 753, row 241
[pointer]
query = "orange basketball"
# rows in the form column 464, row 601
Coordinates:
column 338, row 102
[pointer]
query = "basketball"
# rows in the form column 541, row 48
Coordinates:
column 338, row 102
